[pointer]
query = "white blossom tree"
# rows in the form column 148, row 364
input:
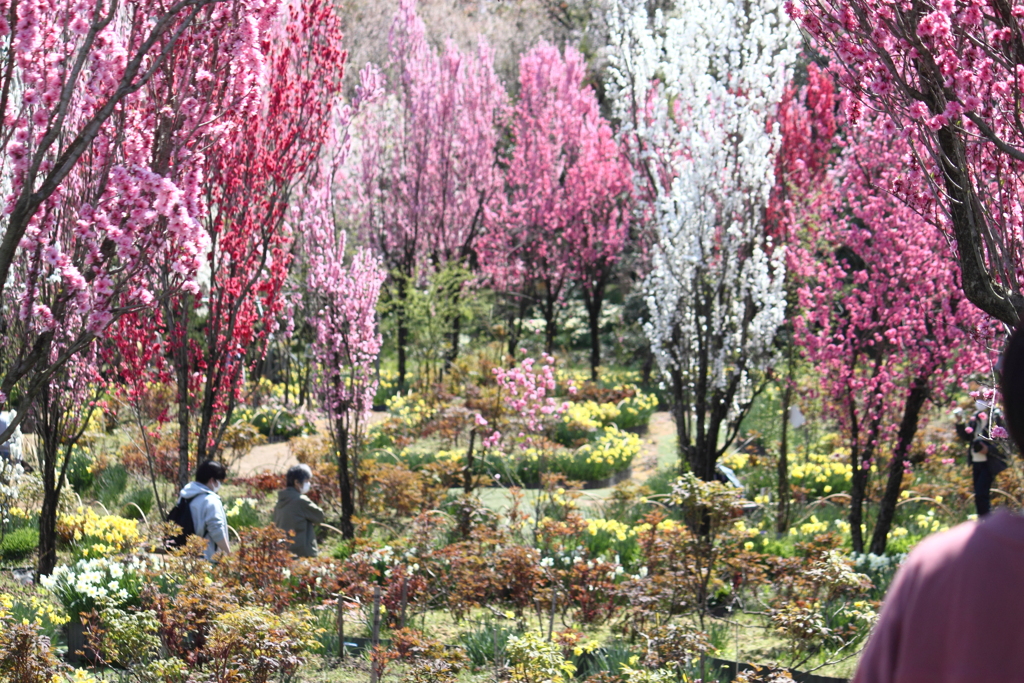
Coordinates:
column 697, row 94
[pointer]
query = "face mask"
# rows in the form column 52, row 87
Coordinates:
column 215, row 487
column 305, row 487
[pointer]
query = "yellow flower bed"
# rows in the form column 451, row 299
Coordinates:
column 590, row 415
column 615, row 449
column 98, row 536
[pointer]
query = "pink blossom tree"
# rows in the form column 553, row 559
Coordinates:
column 100, row 190
column 347, row 341
column 567, row 217
column 947, row 76
column 424, row 181
column 883, row 317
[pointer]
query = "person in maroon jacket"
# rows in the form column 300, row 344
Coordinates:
column 955, row 610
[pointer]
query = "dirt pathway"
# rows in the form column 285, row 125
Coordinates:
column 274, row 457
column 661, row 429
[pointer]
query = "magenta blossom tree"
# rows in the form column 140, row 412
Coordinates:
column 946, row 75
column 567, row 217
column 423, row 182
column 884, row 317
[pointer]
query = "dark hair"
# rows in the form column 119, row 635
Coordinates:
column 211, row 469
column 1012, row 386
column 298, row 473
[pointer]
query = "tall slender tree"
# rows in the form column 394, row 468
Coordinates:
column 269, row 150
column 699, row 97
column 347, row 342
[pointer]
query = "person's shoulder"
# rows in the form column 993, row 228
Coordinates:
column 941, row 547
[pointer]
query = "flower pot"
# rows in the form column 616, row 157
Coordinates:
column 77, row 651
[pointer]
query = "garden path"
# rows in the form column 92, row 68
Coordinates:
column 274, row 457
column 658, row 448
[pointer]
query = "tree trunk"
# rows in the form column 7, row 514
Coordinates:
column 345, row 479
column 593, row 303
column 515, row 328
column 549, row 323
column 181, row 361
column 647, row 368
column 48, row 513
column 858, row 488
column 679, row 416
column 782, row 515
column 453, row 350
column 53, row 483
column 467, row 475
column 908, row 428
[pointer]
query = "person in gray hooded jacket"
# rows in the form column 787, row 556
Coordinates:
column 208, row 516
column 296, row 513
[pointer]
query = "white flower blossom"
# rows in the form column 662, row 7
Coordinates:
column 697, row 93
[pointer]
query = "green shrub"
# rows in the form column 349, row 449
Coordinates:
column 79, row 473
column 111, row 484
column 19, row 544
column 143, row 498
column 242, row 513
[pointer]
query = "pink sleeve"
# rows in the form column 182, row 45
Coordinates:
column 881, row 656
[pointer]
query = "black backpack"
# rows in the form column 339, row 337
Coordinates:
column 181, row 514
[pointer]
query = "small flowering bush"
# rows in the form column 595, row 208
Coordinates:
column 93, row 535
column 532, row 659
column 93, row 583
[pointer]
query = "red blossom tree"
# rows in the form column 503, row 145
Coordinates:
column 567, row 218
column 807, row 122
column 424, row 182
column 267, row 151
column 883, row 317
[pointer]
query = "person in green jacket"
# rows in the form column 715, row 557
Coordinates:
column 296, row 513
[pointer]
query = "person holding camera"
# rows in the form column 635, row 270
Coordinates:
column 984, row 457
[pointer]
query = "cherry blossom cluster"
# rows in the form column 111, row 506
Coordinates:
column 528, row 392
column 347, row 342
column 435, row 138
